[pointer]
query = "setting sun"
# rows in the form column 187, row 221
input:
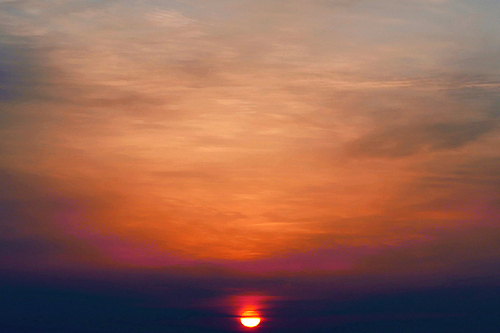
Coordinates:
column 250, row 319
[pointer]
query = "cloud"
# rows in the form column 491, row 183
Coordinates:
column 19, row 71
column 464, row 251
column 481, row 171
column 183, row 112
column 408, row 140
column 167, row 18
column 30, row 236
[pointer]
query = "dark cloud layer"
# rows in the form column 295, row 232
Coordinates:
column 407, row 140
column 30, row 236
column 102, row 305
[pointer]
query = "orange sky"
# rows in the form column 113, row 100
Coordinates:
column 318, row 136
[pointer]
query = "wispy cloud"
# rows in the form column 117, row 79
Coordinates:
column 412, row 139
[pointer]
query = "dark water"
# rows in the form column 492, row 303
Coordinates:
column 44, row 309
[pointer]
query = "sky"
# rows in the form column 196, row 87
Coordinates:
column 169, row 164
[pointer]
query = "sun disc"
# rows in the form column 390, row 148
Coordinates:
column 250, row 321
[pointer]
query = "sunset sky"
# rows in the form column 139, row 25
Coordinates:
column 261, row 150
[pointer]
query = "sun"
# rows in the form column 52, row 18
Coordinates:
column 250, row 319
